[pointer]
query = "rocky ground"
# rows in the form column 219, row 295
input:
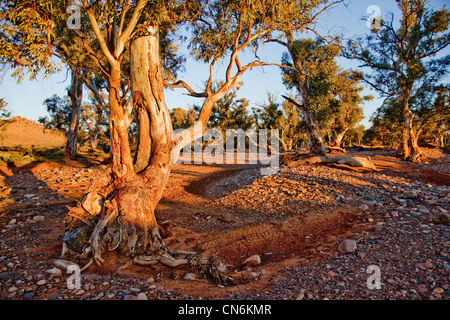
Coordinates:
column 292, row 224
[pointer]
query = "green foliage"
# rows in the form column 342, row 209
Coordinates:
column 437, row 130
column 285, row 117
column 181, row 118
column 332, row 95
column 315, row 70
column 355, row 135
column 408, row 66
column 13, row 158
column 387, row 125
column 230, row 112
column 27, row 30
column 94, row 124
column 4, row 113
column 22, row 157
column 344, row 110
column 221, row 22
column 434, row 124
column 59, row 110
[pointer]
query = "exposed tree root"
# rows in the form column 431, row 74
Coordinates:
column 94, row 235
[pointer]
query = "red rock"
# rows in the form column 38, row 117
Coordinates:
column 424, row 265
column 347, row 246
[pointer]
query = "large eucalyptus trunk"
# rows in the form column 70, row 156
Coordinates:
column 404, row 150
column 128, row 196
column 414, row 151
column 417, row 152
column 316, row 145
column 76, row 97
column 121, row 206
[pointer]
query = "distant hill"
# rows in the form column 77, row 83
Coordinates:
column 21, row 132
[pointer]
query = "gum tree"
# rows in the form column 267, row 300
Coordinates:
column 221, row 31
column 408, row 63
column 345, row 107
column 314, row 76
column 35, row 40
column 117, row 213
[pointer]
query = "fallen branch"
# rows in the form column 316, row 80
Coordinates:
column 351, row 161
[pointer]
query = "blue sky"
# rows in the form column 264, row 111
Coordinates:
column 25, row 99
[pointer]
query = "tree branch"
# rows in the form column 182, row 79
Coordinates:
column 182, row 84
column 103, row 46
column 130, row 27
column 122, row 18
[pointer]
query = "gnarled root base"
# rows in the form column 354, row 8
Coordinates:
column 98, row 226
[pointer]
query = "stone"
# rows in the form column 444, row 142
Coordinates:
column 253, row 260
column 12, row 221
column 12, row 289
column 363, row 207
column 444, row 218
column 63, row 264
column 54, row 272
column 80, row 292
column 41, row 282
column 442, row 210
column 130, row 297
column 252, row 275
column 438, row 290
column 410, row 194
column 189, row 276
column 301, row 295
column 347, row 246
column 142, row 296
column 99, row 296
column 424, row 265
column 76, row 239
column 28, row 295
column 38, row 218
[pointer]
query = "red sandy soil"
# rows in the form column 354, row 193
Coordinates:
column 293, row 220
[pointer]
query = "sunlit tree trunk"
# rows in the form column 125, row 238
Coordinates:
column 338, row 141
column 76, row 97
column 415, row 152
column 316, row 145
column 129, row 195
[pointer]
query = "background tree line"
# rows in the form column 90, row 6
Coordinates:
column 405, row 65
